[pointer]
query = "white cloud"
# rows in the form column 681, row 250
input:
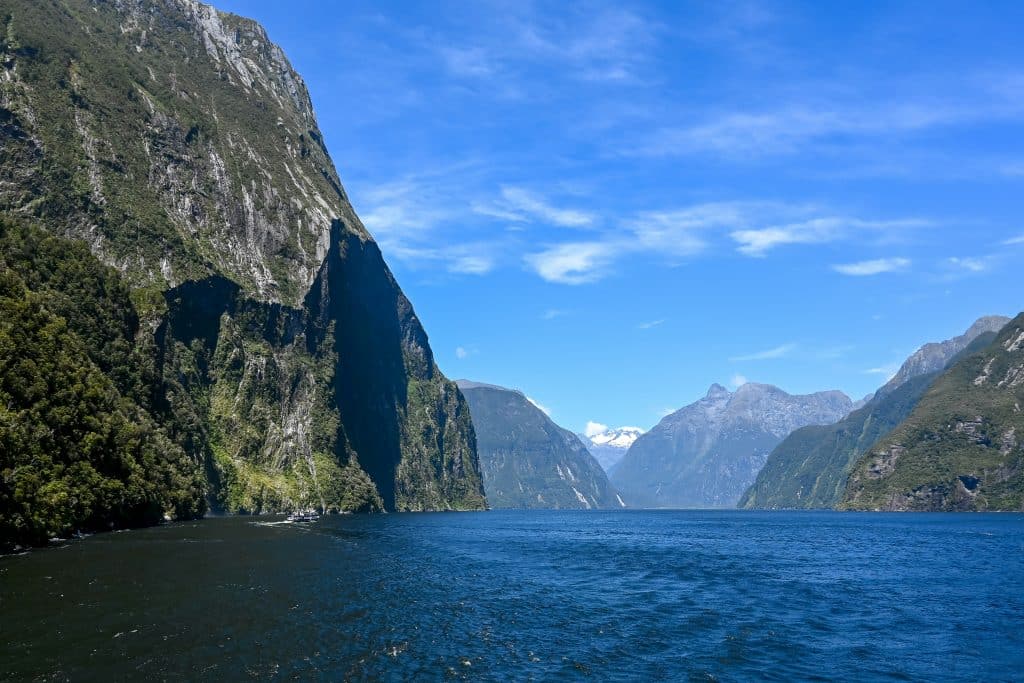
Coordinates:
column 969, row 264
column 737, row 381
column 595, row 428
column 800, row 125
column 678, row 231
column 517, row 201
column 872, row 267
column 1019, row 239
column 539, row 407
column 468, row 62
column 573, row 263
column 648, row 325
column 767, row 354
column 552, row 313
column 470, row 264
column 493, row 211
column 888, row 371
column 403, row 216
column 818, row 230
column 461, row 352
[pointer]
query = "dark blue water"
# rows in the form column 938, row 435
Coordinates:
column 527, row 595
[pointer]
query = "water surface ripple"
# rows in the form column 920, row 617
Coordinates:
column 634, row 595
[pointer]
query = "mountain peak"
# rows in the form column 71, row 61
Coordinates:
column 716, row 390
column 935, row 356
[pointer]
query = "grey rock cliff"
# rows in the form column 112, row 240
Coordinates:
column 527, row 460
column 179, row 144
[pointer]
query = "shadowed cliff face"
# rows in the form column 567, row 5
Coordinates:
column 370, row 380
column 177, row 142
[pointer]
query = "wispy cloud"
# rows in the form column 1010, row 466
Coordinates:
column 1019, row 239
column 652, row 323
column 592, row 44
column 888, row 371
column 461, row 352
column 872, row 267
column 552, row 313
column 520, row 204
column 802, row 124
column 969, row 264
column 767, row 354
column 573, row 263
column 680, row 231
column 820, row 230
column 737, row 381
column 689, row 231
column 472, row 62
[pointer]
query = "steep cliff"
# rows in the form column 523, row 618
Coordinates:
column 177, row 143
column 527, row 460
column 809, row 469
column 708, row 453
column 961, row 447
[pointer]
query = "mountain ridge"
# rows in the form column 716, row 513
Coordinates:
column 707, row 453
column 527, row 460
column 809, row 468
column 958, row 450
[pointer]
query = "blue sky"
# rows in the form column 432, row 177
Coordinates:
column 611, row 206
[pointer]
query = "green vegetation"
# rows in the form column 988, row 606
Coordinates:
column 166, row 202
column 810, row 467
column 78, row 448
column 960, row 448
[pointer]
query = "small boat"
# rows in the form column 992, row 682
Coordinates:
column 304, row 516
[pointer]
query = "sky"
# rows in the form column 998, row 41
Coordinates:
column 611, row 206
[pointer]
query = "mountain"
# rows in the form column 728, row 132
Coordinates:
column 608, row 445
column 936, row 356
column 810, row 467
column 961, row 447
column 708, row 453
column 527, row 460
column 161, row 165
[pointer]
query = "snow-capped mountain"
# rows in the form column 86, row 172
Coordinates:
column 609, row 444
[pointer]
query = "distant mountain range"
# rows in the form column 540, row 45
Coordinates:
column 809, row 469
column 609, row 445
column 527, row 461
column 708, row 453
column 962, row 446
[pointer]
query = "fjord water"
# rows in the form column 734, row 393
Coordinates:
column 657, row 595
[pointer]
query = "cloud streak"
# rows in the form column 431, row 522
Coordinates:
column 872, row 267
column 573, row 263
column 767, row 354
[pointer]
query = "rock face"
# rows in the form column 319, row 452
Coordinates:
column 527, row 460
column 177, row 142
column 708, row 453
column 809, row 469
column 609, row 446
column 961, row 447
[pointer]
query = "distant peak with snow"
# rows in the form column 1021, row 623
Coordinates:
column 609, row 444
